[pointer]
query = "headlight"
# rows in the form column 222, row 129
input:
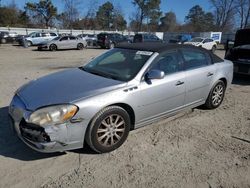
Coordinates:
column 53, row 115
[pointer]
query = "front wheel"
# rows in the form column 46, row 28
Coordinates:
column 213, row 49
column 216, row 95
column 108, row 130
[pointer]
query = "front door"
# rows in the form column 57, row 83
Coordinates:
column 158, row 97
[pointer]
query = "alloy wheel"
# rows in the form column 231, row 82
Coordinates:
column 111, row 130
column 217, row 95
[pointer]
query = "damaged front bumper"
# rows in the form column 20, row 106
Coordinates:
column 47, row 139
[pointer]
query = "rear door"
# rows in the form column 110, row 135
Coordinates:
column 199, row 72
column 72, row 42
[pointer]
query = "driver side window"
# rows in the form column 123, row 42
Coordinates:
column 169, row 63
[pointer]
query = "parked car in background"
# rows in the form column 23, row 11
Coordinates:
column 130, row 38
column 64, row 42
column 180, row 39
column 206, row 43
column 8, row 37
column 238, row 51
column 91, row 39
column 146, row 37
column 110, row 40
column 125, row 88
column 36, row 38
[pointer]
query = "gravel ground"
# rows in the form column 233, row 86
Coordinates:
column 200, row 148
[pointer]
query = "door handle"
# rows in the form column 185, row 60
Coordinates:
column 179, row 83
column 210, row 74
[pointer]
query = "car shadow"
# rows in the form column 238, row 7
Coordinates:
column 243, row 80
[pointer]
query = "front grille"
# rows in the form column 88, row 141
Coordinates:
column 33, row 132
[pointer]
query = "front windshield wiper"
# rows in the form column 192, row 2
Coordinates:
column 102, row 74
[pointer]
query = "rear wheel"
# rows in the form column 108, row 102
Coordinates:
column 80, row 46
column 216, row 95
column 108, row 130
column 112, row 45
column 53, row 47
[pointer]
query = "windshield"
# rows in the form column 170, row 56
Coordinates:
column 196, row 40
column 118, row 64
column 31, row 34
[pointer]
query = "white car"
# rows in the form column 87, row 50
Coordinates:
column 206, row 43
column 37, row 38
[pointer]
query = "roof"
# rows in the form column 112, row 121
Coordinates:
column 154, row 46
column 160, row 47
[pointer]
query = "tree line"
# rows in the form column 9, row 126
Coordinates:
column 226, row 15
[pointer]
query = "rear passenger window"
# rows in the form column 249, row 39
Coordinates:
column 168, row 63
column 72, row 38
column 194, row 59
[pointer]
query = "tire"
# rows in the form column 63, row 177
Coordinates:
column 52, row 47
column 216, row 95
column 102, row 135
column 3, row 41
column 213, row 49
column 111, row 45
column 29, row 43
column 80, row 46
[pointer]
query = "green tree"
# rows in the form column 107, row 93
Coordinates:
column 148, row 9
column 168, row 22
column 10, row 16
column 105, row 16
column 110, row 17
column 199, row 20
column 44, row 9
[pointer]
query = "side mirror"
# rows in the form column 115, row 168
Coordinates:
column 155, row 74
column 229, row 45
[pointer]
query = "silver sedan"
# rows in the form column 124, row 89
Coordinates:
column 125, row 88
column 64, row 42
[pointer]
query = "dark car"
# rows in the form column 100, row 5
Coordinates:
column 110, row 40
column 180, row 39
column 146, row 37
column 238, row 52
column 8, row 37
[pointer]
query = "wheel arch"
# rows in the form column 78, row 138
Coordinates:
column 224, row 80
column 130, row 112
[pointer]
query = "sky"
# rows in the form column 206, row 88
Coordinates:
column 180, row 7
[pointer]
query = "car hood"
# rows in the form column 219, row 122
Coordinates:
column 64, row 87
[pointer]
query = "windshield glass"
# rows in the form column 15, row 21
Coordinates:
column 118, row 64
column 196, row 40
column 31, row 34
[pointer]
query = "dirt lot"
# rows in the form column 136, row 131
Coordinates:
column 199, row 149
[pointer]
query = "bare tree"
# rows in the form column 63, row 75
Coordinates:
column 71, row 13
column 224, row 13
column 243, row 12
